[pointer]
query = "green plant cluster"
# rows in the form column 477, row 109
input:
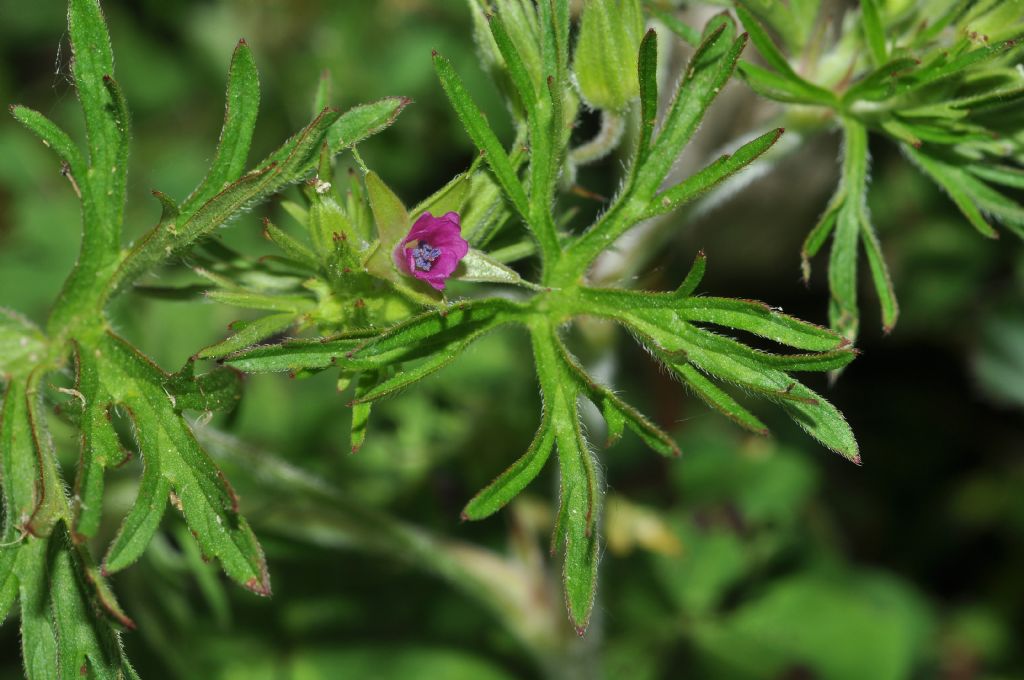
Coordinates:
column 939, row 79
column 334, row 300
column 69, row 616
column 673, row 326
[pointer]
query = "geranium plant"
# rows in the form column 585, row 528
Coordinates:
column 383, row 295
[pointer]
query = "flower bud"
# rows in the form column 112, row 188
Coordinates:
column 606, row 53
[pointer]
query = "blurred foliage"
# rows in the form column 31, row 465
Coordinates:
column 784, row 564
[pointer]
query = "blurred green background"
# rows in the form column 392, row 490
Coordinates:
column 747, row 558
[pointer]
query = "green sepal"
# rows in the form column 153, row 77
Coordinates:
column 293, row 249
column 481, row 267
column 449, row 198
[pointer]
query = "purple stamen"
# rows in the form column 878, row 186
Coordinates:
column 425, row 255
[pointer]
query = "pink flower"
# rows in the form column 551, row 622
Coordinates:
column 433, row 249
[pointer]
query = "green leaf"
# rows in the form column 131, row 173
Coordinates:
column 943, row 68
column 407, row 375
column 821, row 420
column 842, row 271
column 140, row 524
column 106, row 130
column 363, row 121
column 55, row 138
column 38, row 635
column 519, row 73
column 771, row 85
column 293, row 304
column 288, row 164
column 218, row 390
column 724, row 167
column 817, row 237
column 693, row 277
column 172, row 455
column 19, row 460
column 322, row 97
column 815, row 415
column 240, row 110
column 480, row 132
column 785, row 78
column 618, row 413
column 22, row 345
column 880, row 277
column 999, row 174
column 647, row 69
column 8, row 579
column 298, row 156
column 763, row 42
column 580, row 496
column 580, row 505
column 706, row 73
column 874, row 30
column 434, row 329
column 50, row 503
column 717, row 398
column 296, row 355
column 361, row 408
column 685, row 349
column 100, row 445
column 809, row 410
column 517, row 477
column 63, row 634
column 686, row 33
column 880, row 83
column 250, row 334
column 951, row 180
column 760, row 319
